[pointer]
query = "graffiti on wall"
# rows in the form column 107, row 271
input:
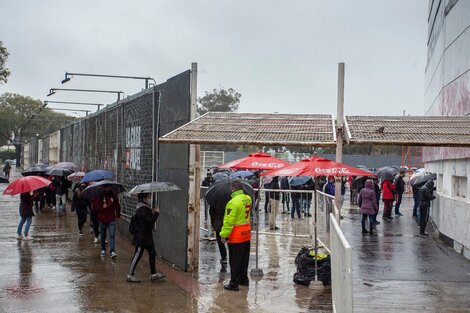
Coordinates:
column 133, row 147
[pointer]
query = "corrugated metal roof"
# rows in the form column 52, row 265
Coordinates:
column 452, row 131
column 263, row 129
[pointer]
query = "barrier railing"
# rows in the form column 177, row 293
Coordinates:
column 341, row 269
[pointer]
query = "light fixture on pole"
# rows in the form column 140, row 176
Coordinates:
column 69, row 75
column 72, row 110
column 70, row 102
column 53, row 91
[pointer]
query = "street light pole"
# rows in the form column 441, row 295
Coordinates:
column 69, row 75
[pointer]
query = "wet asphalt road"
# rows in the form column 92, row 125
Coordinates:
column 58, row 272
column 399, row 271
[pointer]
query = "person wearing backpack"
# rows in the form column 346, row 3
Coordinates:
column 141, row 227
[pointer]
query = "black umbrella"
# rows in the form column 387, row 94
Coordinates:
column 359, row 182
column 387, row 173
column 219, row 194
column 36, row 169
column 420, row 181
column 3, row 178
column 96, row 189
column 220, row 176
column 59, row 171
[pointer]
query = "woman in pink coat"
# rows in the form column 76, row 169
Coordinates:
column 368, row 203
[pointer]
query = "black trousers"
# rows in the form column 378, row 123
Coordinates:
column 222, row 249
column 424, row 212
column 239, row 257
column 81, row 217
column 139, row 251
column 95, row 222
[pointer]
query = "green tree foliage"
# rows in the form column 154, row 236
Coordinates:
column 23, row 118
column 4, row 72
column 219, row 100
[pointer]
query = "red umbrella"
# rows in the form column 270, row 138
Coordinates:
column 26, row 184
column 256, row 161
column 316, row 166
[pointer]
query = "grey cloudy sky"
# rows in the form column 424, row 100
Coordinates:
column 281, row 56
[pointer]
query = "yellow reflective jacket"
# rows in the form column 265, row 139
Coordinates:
column 237, row 212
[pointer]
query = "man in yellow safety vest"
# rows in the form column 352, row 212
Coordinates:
column 237, row 232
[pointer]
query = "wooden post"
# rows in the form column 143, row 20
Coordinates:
column 194, row 185
column 339, row 132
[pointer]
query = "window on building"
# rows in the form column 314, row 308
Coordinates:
column 440, row 178
column 459, row 186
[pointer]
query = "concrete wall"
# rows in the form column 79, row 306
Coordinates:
column 26, row 162
column 448, row 93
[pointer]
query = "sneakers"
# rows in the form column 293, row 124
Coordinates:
column 96, row 240
column 398, row 214
column 103, row 253
column 28, row 238
column 157, row 275
column 19, row 237
column 132, row 279
column 113, row 254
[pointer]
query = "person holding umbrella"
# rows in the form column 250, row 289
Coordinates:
column 108, row 211
column 80, row 205
column 144, row 219
column 26, row 215
column 400, row 189
column 61, row 185
column 236, row 231
column 425, row 198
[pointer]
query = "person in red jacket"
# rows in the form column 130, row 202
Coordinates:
column 388, row 192
column 108, row 211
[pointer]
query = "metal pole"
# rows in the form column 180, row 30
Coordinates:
column 315, row 229
column 339, row 132
column 257, row 271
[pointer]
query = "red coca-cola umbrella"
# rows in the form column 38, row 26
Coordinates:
column 256, row 161
column 26, row 184
column 317, row 166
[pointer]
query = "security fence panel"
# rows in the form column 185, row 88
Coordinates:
column 341, row 269
column 137, row 163
column 112, row 135
column 66, row 143
column 89, row 160
column 33, row 152
column 78, row 144
column 173, row 164
column 44, row 158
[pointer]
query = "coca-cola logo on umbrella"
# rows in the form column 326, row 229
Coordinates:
column 334, row 170
column 287, row 171
column 267, row 165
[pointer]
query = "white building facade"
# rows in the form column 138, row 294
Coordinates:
column 448, row 93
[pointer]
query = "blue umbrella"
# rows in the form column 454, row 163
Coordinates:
column 219, row 176
column 242, row 174
column 97, row 175
column 299, row 180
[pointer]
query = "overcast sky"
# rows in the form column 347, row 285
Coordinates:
column 281, row 56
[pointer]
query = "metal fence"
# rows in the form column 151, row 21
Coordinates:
column 341, row 269
column 123, row 138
